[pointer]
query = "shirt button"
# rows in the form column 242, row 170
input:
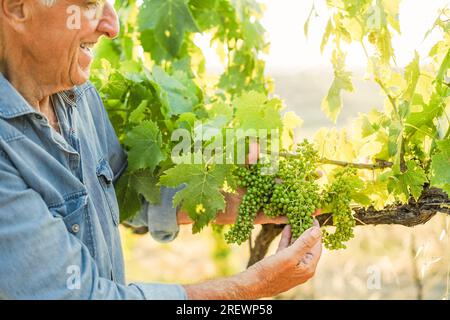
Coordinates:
column 75, row 228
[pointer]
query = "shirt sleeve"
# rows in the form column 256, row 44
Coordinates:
column 40, row 259
column 160, row 219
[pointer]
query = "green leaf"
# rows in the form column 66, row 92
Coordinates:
column 255, row 111
column 178, row 93
column 132, row 184
column 146, row 184
column 332, row 103
column 153, row 46
column 412, row 72
column 440, row 166
column 395, row 137
column 106, row 49
column 253, row 33
column 443, row 70
column 145, row 145
column 409, row 182
column 127, row 197
column 169, row 19
column 138, row 114
column 201, row 196
column 426, row 117
column 326, row 35
column 220, row 108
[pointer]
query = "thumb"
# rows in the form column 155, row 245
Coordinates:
column 285, row 238
column 307, row 240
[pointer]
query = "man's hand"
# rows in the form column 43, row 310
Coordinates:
column 291, row 266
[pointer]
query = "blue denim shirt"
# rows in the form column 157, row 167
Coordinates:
column 59, row 217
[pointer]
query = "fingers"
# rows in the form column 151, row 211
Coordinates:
column 253, row 153
column 261, row 218
column 317, row 212
column 307, row 241
column 316, row 223
column 285, row 238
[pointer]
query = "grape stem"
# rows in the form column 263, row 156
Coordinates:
column 380, row 164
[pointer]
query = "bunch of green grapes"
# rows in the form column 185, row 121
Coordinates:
column 337, row 198
column 296, row 195
column 259, row 189
column 291, row 192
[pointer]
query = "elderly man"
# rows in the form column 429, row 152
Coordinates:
column 59, row 159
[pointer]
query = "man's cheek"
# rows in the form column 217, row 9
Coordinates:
column 78, row 19
column 73, row 21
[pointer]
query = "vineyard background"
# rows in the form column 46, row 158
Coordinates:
column 341, row 274
column 411, row 262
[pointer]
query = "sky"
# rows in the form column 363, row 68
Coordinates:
column 292, row 52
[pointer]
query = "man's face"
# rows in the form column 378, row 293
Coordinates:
column 59, row 38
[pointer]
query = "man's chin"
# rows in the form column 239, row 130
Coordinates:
column 80, row 77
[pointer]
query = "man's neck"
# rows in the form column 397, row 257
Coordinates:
column 28, row 89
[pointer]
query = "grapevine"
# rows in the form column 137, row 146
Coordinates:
column 153, row 82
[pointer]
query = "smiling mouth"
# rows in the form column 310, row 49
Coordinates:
column 87, row 46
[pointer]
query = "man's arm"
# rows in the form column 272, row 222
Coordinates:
column 290, row 266
column 41, row 259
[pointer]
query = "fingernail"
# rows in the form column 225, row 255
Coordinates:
column 315, row 232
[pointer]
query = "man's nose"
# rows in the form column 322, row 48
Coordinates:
column 109, row 22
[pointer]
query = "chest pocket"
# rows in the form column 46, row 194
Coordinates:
column 75, row 215
column 105, row 176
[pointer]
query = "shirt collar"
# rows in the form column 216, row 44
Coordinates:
column 12, row 103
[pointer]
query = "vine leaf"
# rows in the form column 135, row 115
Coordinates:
column 440, row 166
column 409, row 182
column 145, row 145
column 132, row 184
column 169, row 19
column 255, row 111
column 412, row 72
column 177, row 92
column 138, row 114
column 201, row 196
column 332, row 103
column 127, row 197
column 146, row 184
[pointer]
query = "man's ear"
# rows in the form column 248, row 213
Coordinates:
column 16, row 11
